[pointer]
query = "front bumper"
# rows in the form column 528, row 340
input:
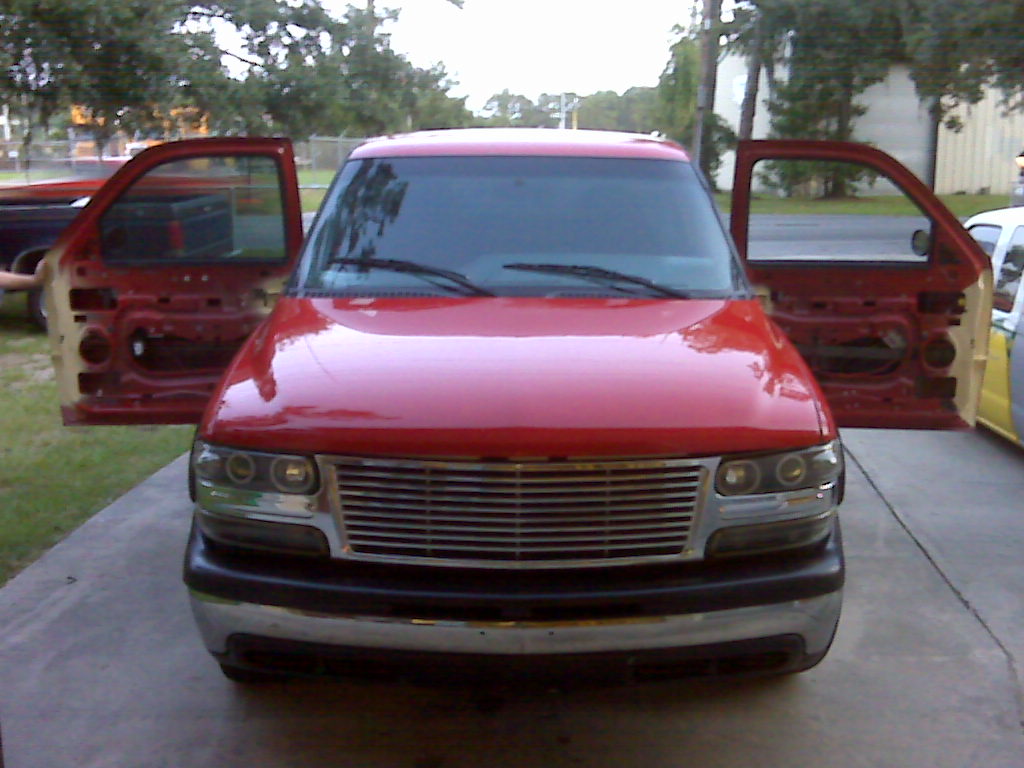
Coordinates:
column 299, row 616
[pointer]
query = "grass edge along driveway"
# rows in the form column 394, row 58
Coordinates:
column 52, row 477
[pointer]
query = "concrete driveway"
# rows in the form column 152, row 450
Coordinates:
column 100, row 664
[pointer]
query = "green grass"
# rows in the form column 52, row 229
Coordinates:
column 53, row 478
column 311, row 197
column 37, row 175
column 322, row 176
column 879, row 205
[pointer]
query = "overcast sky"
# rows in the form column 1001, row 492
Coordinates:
column 539, row 46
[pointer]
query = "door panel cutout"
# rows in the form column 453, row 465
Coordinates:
column 171, row 266
column 880, row 288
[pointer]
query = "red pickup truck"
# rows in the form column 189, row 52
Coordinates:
column 518, row 404
column 32, row 216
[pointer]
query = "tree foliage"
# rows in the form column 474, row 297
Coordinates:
column 289, row 67
column 507, row 109
column 633, row 111
column 307, row 72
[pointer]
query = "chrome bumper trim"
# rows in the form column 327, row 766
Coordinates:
column 813, row 619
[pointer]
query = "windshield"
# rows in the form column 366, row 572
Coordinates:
column 518, row 226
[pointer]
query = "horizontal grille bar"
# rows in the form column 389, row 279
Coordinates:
column 535, row 512
column 461, row 532
column 505, row 519
column 523, row 507
column 503, row 485
column 522, row 539
column 482, row 547
column 527, row 476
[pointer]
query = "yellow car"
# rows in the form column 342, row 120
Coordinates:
column 1001, row 234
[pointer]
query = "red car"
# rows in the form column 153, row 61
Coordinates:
column 514, row 405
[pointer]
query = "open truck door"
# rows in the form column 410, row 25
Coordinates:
column 163, row 275
column 890, row 307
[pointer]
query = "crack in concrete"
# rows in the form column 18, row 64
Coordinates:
column 1011, row 662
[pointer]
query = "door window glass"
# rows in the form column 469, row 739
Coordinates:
column 987, row 236
column 199, row 210
column 826, row 211
column 1008, row 279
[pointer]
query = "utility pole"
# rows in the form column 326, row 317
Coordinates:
column 708, row 80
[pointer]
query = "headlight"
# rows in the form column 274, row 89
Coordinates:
column 253, row 470
column 240, row 468
column 257, row 500
column 778, row 472
column 290, row 474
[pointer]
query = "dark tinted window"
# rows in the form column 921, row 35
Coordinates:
column 479, row 215
column 202, row 209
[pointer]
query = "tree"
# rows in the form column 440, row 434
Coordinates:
column 431, row 106
column 302, row 70
column 35, row 66
column 127, row 54
column 114, row 58
column 299, row 70
column 837, row 50
column 996, row 33
column 676, row 105
column 633, row 111
column 513, row 109
column 758, row 32
column 638, row 109
column 677, row 89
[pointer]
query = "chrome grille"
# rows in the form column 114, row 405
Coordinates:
column 526, row 513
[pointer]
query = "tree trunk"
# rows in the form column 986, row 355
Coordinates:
column 844, row 115
column 26, row 149
column 769, row 76
column 837, row 186
column 749, row 107
column 932, row 151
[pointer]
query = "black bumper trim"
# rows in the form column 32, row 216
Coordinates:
column 767, row 655
column 333, row 587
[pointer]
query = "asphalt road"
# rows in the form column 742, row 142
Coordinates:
column 832, row 237
column 100, row 664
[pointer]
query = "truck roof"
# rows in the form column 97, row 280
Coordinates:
column 522, row 141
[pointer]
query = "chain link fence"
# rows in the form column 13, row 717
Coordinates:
column 321, row 156
column 324, row 153
column 56, row 159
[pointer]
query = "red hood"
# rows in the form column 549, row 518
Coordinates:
column 500, row 377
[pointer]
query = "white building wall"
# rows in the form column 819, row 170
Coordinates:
column 979, row 158
column 732, row 80
column 896, row 122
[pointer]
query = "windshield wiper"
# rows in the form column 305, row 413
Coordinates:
column 414, row 268
column 598, row 273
